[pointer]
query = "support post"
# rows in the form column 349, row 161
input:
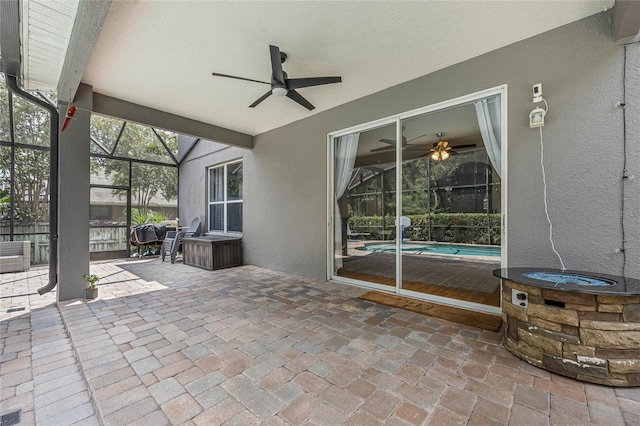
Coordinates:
column 74, row 176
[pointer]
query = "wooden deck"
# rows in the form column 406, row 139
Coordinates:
column 492, row 299
column 457, row 279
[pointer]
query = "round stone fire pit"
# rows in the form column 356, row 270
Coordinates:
column 577, row 324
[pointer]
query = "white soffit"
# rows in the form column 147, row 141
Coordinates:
column 46, row 30
column 161, row 54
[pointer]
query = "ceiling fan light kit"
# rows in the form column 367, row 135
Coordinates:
column 281, row 85
column 439, row 155
column 440, row 150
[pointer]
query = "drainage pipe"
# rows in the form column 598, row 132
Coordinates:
column 12, row 84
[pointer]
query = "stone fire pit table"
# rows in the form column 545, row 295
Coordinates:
column 577, row 324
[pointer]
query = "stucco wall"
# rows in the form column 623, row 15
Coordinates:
column 632, row 192
column 192, row 185
column 580, row 67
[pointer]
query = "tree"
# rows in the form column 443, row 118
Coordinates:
column 31, row 175
column 136, row 142
column 5, row 134
column 30, row 179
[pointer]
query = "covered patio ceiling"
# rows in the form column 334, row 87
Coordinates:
column 160, row 55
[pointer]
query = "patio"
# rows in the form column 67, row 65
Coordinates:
column 171, row 344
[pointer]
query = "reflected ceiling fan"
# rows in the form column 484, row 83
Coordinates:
column 392, row 143
column 441, row 149
column 281, row 85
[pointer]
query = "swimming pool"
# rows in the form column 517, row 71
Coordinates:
column 430, row 248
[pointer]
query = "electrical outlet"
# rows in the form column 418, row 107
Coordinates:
column 519, row 298
column 537, row 92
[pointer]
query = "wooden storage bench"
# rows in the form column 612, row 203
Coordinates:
column 212, row 252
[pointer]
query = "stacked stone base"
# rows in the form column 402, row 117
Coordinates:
column 593, row 338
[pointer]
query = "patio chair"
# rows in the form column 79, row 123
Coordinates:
column 173, row 241
column 404, row 223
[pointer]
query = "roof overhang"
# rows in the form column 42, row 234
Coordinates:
column 45, row 33
column 47, row 44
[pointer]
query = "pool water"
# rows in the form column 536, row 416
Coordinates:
column 452, row 249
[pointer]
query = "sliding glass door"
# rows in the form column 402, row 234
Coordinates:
column 417, row 202
column 364, row 199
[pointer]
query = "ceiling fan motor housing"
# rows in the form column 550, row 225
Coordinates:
column 277, row 88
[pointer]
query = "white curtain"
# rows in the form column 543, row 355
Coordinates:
column 488, row 112
column 346, row 148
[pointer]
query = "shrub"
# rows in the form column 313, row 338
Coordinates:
column 464, row 228
column 140, row 217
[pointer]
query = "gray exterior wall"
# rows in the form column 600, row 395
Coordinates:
column 581, row 68
column 192, row 182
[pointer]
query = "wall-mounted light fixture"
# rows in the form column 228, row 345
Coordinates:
column 536, row 117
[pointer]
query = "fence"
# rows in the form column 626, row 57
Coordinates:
column 100, row 239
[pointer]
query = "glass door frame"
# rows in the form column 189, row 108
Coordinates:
column 397, row 120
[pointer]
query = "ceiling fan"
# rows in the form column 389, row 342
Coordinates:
column 405, row 143
column 281, row 85
column 441, row 149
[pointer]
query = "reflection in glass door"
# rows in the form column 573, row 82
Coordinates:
column 447, row 166
column 364, row 206
column 450, row 208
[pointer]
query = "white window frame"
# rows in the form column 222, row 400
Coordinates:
column 225, row 202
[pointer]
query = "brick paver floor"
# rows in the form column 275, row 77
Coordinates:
column 40, row 374
column 172, row 344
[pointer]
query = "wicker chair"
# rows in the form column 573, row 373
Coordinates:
column 15, row 256
column 172, row 243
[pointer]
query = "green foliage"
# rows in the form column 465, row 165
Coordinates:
column 141, row 142
column 458, row 194
column 105, row 131
column 92, row 280
column 140, row 217
column 31, row 176
column 5, row 200
column 31, row 184
column 464, row 228
column 137, row 142
column 4, row 111
column 30, row 123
